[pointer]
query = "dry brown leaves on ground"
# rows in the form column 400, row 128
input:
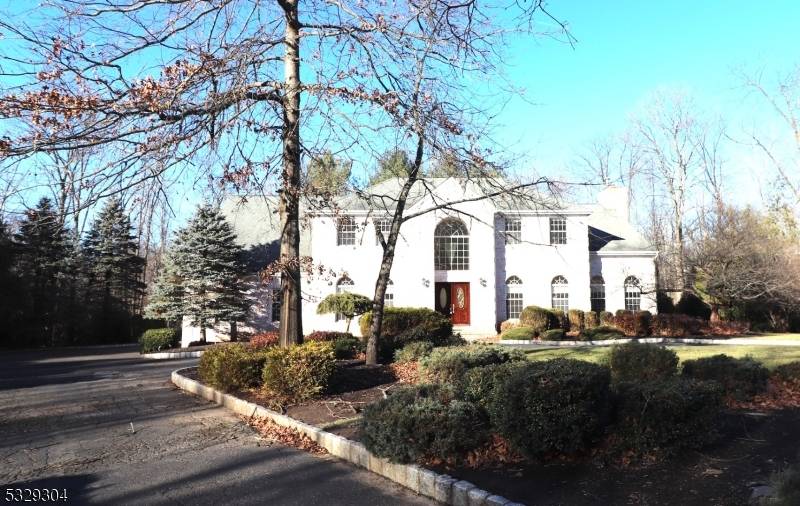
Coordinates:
column 405, row 372
column 496, row 452
column 285, row 435
column 780, row 394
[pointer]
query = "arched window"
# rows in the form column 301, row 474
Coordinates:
column 388, row 297
column 633, row 294
column 513, row 297
column 597, row 293
column 451, row 246
column 344, row 285
column 559, row 290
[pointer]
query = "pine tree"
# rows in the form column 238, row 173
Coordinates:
column 202, row 278
column 10, row 307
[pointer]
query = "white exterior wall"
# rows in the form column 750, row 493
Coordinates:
column 615, row 267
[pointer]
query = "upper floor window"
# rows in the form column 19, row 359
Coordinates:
column 513, row 297
column 513, row 231
column 388, row 297
column 558, row 230
column 345, row 231
column 451, row 246
column 559, row 291
column 382, row 226
column 344, row 285
column 597, row 293
column 633, row 294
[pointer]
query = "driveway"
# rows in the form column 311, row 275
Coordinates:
column 110, row 428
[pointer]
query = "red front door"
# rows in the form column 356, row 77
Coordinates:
column 459, row 300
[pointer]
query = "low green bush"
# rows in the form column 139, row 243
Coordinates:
column 402, row 325
column 739, row 377
column 539, row 318
column 480, row 384
column 231, row 367
column 413, row 352
column 553, row 335
column 448, row 364
column 519, row 333
column 326, row 335
column 300, row 372
column 347, row 347
column 591, row 319
column 153, row 340
column 668, row 414
column 424, row 421
column 577, row 320
column 601, row 333
column 788, row 372
column 641, row 362
column 554, row 406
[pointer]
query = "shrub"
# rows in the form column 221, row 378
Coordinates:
column 553, row 335
column 158, row 339
column 402, row 325
column 347, row 304
column 563, row 320
column 519, row 333
column 642, row 362
column 448, row 364
column 606, row 318
column 347, row 346
column 413, row 352
column 299, row 372
column 577, row 320
column 633, row 323
column 424, row 421
column 509, row 324
column 739, row 377
column 539, row 318
column 557, row 405
column 668, row 414
column 601, row 333
column 264, row 340
column 676, row 325
column 692, row 305
column 231, row 367
column 788, row 372
column 326, row 335
column 591, row 319
column 480, row 384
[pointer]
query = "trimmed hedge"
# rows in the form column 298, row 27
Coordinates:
column 676, row 325
column 553, row 406
column 519, row 333
column 577, row 319
column 300, row 372
column 509, row 324
column 423, row 421
column 601, row 333
column 553, row 335
column 668, row 415
column 413, row 352
column 480, row 384
column 606, row 318
column 347, row 347
column 788, row 372
column 633, row 323
column 739, row 377
column 641, row 362
column 539, row 318
column 231, row 367
column 402, row 325
column 264, row 340
column 448, row 364
column 158, row 339
column 591, row 319
column 326, row 335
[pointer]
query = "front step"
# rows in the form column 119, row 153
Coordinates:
column 471, row 334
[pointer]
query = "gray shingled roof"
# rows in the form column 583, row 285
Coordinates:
column 613, row 233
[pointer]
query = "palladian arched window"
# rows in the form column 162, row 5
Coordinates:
column 559, row 291
column 633, row 294
column 513, row 297
column 597, row 293
column 451, row 246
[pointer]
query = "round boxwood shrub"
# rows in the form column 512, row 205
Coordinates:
column 577, row 319
column 739, row 377
column 591, row 319
column 423, row 421
column 553, row 406
column 448, row 364
column 606, row 318
column 402, row 325
column 153, row 340
column 539, row 319
column 480, row 384
column 231, row 367
column 788, row 372
column 641, row 362
column 553, row 335
column 634, row 323
column 601, row 333
column 347, row 346
column 413, row 352
column 300, row 372
column 668, row 414
column 519, row 334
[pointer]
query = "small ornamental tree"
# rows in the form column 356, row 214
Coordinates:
column 202, row 278
column 346, row 304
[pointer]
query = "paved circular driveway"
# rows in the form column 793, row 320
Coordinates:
column 65, row 422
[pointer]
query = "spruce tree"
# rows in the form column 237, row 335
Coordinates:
column 10, row 299
column 202, row 278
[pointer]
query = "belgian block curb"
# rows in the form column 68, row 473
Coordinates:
column 650, row 340
column 168, row 355
column 440, row 487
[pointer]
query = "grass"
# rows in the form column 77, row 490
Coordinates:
column 770, row 356
column 777, row 337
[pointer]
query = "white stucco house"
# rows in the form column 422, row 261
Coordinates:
column 479, row 261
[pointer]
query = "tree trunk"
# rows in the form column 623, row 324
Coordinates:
column 714, row 318
column 347, row 326
column 234, row 332
column 291, row 330
column 388, row 258
column 202, row 332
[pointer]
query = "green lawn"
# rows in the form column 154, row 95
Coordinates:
column 778, row 337
column 770, row 356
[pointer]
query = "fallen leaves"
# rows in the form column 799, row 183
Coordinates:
column 780, row 394
column 405, row 372
column 285, row 435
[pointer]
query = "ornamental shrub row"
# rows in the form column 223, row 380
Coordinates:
column 739, row 377
column 153, row 340
column 402, row 325
column 448, row 364
column 231, row 367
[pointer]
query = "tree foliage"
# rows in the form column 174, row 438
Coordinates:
column 347, row 304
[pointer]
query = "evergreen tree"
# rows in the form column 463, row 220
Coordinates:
column 327, row 174
column 202, row 279
column 10, row 307
column 393, row 163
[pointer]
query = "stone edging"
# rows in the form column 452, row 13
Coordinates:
column 441, row 487
column 654, row 340
column 166, row 355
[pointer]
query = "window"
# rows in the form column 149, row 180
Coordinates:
column 558, row 231
column 597, row 293
column 344, row 285
column 388, row 297
column 275, row 310
column 345, row 231
column 513, row 297
column 633, row 294
column 384, row 225
column 451, row 246
column 513, row 231
column 559, row 290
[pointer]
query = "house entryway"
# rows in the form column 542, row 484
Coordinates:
column 452, row 299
